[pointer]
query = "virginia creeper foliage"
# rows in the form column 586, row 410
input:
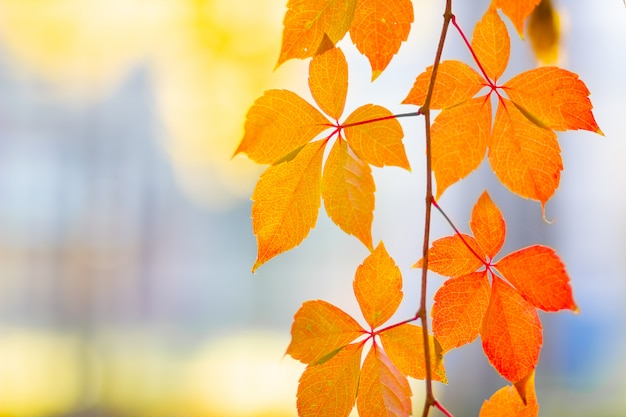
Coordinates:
column 315, row 151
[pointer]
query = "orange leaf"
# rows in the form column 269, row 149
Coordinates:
column 328, row 81
column 377, row 143
column 553, row 97
column 539, row 275
column 378, row 286
column 488, row 225
column 383, row 390
column 456, row 82
column 511, row 332
column 491, row 44
column 450, row 257
column 460, row 136
column 459, row 308
column 517, row 11
column 524, row 157
column 319, row 329
column 311, row 24
column 279, row 122
column 348, row 191
column 286, row 202
column 378, row 29
column 506, row 402
column 329, row 389
column 405, row 347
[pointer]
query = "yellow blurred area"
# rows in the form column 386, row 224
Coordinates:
column 134, row 373
column 208, row 59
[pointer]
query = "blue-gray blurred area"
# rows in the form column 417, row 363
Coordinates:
column 123, row 295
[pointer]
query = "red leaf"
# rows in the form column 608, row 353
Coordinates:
column 539, row 275
column 511, row 332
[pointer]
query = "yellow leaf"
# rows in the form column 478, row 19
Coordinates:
column 309, row 22
column 456, row 82
column 348, row 192
column 376, row 142
column 328, row 81
column 404, row 345
column 329, row 389
column 383, row 390
column 378, row 286
column 319, row 328
column 378, row 29
column 277, row 123
column 491, row 43
column 286, row 202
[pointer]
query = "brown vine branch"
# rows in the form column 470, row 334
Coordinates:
column 430, row 400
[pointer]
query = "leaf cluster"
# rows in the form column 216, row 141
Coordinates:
column 316, row 153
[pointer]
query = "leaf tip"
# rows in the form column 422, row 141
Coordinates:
column 376, row 74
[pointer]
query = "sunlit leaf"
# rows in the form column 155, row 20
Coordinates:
column 378, row 286
column 348, row 192
column 404, row 345
column 286, row 202
column 378, row 29
column 511, row 332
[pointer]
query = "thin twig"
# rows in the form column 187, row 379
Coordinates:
column 422, row 311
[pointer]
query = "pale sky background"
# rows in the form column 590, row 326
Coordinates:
column 125, row 235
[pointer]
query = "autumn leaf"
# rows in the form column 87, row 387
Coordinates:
column 450, row 256
column 487, row 225
column 330, row 388
column 505, row 316
column 456, row 82
column 539, row 275
column 521, row 145
column 380, row 143
column 524, row 157
column 459, row 308
column 554, row 97
column 517, row 11
column 286, row 202
column 511, row 332
column 277, row 123
column 320, row 329
column 506, row 402
column 404, row 346
column 459, row 141
column 308, row 24
column 378, row 29
column 491, row 44
column 328, row 82
column 383, row 390
column 348, row 192
column 378, row 286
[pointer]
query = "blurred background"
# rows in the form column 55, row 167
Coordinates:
column 125, row 236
